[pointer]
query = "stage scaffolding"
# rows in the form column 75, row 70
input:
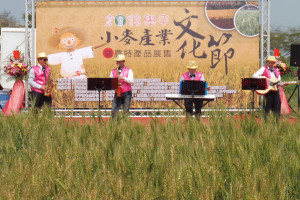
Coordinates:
column 30, row 38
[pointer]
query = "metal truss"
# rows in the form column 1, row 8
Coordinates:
column 146, row 113
column 78, row 113
column 29, row 39
column 264, row 30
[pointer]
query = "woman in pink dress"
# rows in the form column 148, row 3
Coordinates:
column 285, row 108
column 17, row 69
column 15, row 102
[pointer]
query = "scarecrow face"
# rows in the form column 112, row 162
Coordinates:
column 68, row 42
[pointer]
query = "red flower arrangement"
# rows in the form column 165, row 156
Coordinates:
column 17, row 68
column 283, row 67
column 280, row 64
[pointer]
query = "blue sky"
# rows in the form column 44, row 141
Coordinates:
column 283, row 12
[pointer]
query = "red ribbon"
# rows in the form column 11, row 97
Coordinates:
column 16, row 54
column 276, row 52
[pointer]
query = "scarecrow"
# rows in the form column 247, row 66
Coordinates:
column 71, row 60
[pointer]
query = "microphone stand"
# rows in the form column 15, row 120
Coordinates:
column 253, row 87
column 297, row 87
column 99, row 91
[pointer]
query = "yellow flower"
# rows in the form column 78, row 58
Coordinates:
column 283, row 66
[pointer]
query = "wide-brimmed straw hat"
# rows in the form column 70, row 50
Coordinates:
column 120, row 57
column 192, row 65
column 272, row 59
column 55, row 39
column 42, row 55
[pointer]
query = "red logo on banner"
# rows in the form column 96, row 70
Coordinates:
column 108, row 53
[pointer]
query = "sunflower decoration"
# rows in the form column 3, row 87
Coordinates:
column 17, row 67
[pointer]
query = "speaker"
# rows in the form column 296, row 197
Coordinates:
column 295, row 55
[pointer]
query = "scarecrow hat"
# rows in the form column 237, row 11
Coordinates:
column 192, row 65
column 55, row 39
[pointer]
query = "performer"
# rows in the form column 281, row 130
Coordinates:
column 193, row 74
column 69, row 39
column 38, row 77
column 273, row 102
column 281, row 66
column 125, row 77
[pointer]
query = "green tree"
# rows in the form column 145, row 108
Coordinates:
column 7, row 20
column 282, row 40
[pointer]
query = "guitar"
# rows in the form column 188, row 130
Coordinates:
column 272, row 84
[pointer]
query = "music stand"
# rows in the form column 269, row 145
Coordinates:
column 297, row 87
column 100, row 84
column 190, row 87
column 254, row 84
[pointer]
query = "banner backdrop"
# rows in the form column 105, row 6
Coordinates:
column 158, row 39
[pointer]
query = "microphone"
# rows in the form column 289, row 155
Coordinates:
column 44, row 69
column 119, row 70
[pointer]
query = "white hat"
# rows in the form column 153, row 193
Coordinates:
column 42, row 55
column 192, row 65
column 120, row 57
column 271, row 59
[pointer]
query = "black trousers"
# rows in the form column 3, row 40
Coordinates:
column 39, row 99
column 188, row 104
column 273, row 103
column 125, row 99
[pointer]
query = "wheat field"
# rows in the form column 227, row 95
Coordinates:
column 43, row 157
